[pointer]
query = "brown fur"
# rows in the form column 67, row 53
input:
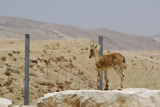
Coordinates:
column 104, row 62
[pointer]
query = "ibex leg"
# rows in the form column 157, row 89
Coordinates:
column 106, row 79
column 117, row 69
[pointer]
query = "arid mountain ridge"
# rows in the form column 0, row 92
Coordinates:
column 11, row 27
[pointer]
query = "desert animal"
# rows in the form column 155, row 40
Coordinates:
column 105, row 62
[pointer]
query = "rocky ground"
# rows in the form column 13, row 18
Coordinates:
column 57, row 65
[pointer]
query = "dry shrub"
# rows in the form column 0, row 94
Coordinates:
column 80, row 72
column 57, row 44
column 74, row 57
column 152, row 66
column 13, row 70
column 62, row 57
column 46, row 83
column 69, row 51
column 151, row 57
column 16, row 52
column 42, row 55
column 70, row 60
column 108, row 51
column 34, row 60
column 10, row 69
column 7, row 73
column 45, row 51
column 32, row 74
column 31, row 65
column 71, row 65
column 68, row 82
column 135, row 63
column 46, row 47
column 7, row 83
column 4, row 58
column 14, row 59
column 58, row 59
column 10, row 89
column 11, row 42
column 18, row 72
column 55, row 70
column 10, row 54
column 86, row 48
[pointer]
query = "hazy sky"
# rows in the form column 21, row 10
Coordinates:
column 140, row 17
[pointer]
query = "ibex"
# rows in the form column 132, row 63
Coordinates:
column 105, row 62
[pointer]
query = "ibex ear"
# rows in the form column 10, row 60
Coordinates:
column 92, row 46
column 96, row 46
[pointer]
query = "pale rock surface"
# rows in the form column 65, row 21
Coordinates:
column 17, row 106
column 5, row 102
column 94, row 98
column 29, row 106
column 24, row 106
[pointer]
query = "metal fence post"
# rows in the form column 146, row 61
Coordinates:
column 101, row 53
column 26, row 89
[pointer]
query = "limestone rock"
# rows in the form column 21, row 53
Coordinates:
column 5, row 102
column 29, row 106
column 97, row 98
column 16, row 106
column 23, row 106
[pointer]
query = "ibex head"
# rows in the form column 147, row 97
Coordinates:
column 92, row 51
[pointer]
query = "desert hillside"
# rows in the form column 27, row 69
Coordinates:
column 12, row 27
column 57, row 65
column 156, row 37
column 16, row 28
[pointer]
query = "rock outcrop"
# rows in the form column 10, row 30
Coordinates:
column 5, row 102
column 96, row 98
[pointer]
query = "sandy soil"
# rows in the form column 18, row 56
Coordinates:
column 58, row 65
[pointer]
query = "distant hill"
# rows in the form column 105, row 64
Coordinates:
column 11, row 27
column 16, row 28
column 119, row 40
column 156, row 37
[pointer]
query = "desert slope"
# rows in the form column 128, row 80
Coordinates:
column 119, row 40
column 156, row 37
column 12, row 27
column 16, row 28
